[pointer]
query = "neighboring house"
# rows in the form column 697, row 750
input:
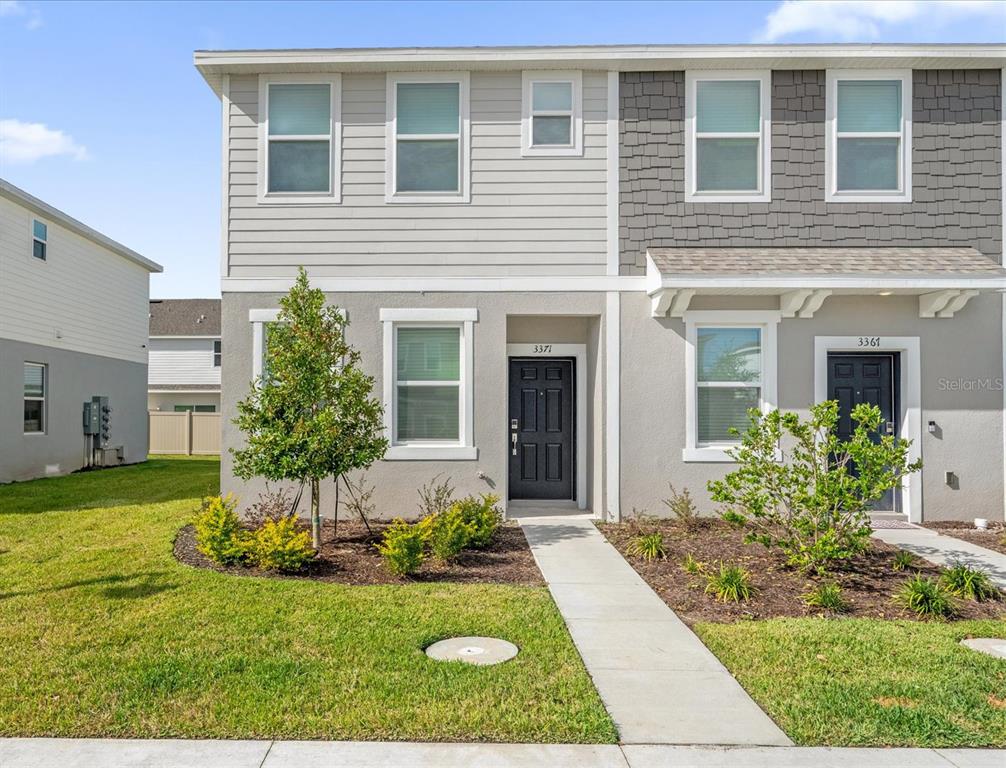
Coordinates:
column 185, row 355
column 571, row 270
column 73, row 326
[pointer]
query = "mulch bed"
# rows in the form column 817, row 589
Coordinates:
column 994, row 538
column 868, row 582
column 351, row 558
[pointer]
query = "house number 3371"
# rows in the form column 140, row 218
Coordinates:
column 540, row 349
column 869, row 341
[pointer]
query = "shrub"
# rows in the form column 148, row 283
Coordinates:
column 448, row 534
column 692, row 566
column 271, row 505
column 827, row 596
column 219, row 534
column 802, row 489
column 359, row 504
column 402, row 548
column 435, row 497
column 281, row 545
column 731, row 584
column 926, row 598
column 969, row 583
column 483, row 516
column 649, row 546
column 682, row 507
column 902, row 560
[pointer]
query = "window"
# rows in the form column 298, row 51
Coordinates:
column 39, row 239
column 261, row 320
column 868, row 151
column 35, row 384
column 428, row 382
column 216, row 353
column 730, row 369
column 428, row 129
column 727, row 142
column 551, row 119
column 196, row 408
column 299, row 139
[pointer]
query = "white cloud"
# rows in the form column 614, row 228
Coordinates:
column 24, row 143
column 868, row 19
column 15, row 9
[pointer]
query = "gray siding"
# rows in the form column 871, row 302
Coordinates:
column 956, row 170
column 527, row 216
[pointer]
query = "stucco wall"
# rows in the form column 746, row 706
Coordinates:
column 956, row 171
column 73, row 377
column 968, row 348
column 569, row 318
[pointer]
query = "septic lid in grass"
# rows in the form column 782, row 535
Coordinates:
column 993, row 646
column 482, row 651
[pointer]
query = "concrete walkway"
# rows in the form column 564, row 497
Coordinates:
column 942, row 549
column 143, row 753
column 659, row 683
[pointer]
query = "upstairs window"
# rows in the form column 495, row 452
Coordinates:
column 727, row 152
column 428, row 138
column 551, row 119
column 35, row 384
column 299, row 146
column 216, row 353
column 39, row 239
column 869, row 136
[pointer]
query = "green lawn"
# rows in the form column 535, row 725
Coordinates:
column 103, row 633
column 869, row 682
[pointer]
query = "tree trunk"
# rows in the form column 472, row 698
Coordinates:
column 315, row 515
column 335, row 517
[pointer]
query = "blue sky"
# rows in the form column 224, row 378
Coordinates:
column 103, row 115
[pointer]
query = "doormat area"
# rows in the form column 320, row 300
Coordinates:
column 882, row 524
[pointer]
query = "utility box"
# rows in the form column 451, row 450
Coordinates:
column 92, row 420
column 104, row 419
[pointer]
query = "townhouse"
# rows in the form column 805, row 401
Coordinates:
column 185, row 355
column 572, row 270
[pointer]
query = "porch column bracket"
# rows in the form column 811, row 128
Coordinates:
column 803, row 302
column 814, row 302
column 660, row 302
column 944, row 304
column 681, row 301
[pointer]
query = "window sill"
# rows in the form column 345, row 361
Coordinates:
column 556, row 151
column 728, row 197
column 433, row 199
column 431, row 453
column 307, row 199
column 862, row 197
column 712, row 454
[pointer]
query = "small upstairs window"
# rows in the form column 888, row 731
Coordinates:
column 216, row 353
column 428, row 138
column 552, row 122
column 299, row 145
column 869, row 136
column 39, row 239
column 727, row 153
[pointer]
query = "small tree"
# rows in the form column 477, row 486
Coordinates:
column 312, row 414
column 812, row 502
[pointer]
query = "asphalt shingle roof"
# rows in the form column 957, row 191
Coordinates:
column 185, row 317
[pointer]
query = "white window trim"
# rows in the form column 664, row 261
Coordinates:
column 42, row 399
column 910, row 398
column 334, row 195
column 831, row 193
column 463, row 449
column 767, row 322
column 528, row 80
column 764, row 192
column 391, row 136
column 259, row 319
column 32, row 238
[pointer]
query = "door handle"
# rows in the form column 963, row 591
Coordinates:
column 513, row 442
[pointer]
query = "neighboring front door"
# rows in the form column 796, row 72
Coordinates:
column 541, row 428
column 865, row 378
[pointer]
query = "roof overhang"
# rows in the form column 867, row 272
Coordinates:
column 802, row 294
column 215, row 64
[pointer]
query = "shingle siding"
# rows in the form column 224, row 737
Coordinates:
column 956, row 171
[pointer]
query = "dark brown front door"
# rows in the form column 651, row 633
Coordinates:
column 541, row 428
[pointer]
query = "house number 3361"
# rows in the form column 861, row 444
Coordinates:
column 869, row 341
column 540, row 349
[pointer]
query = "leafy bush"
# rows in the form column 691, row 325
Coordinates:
column 902, row 560
column 692, row 566
column 483, row 516
column 281, row 545
column 731, row 584
column 435, row 497
column 682, row 507
column 649, row 546
column 448, row 533
column 827, row 596
column 271, row 505
column 219, row 534
column 970, row 583
column 802, row 489
column 926, row 598
column 402, row 548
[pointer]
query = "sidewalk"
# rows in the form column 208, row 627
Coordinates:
column 659, row 683
column 143, row 753
column 942, row 549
